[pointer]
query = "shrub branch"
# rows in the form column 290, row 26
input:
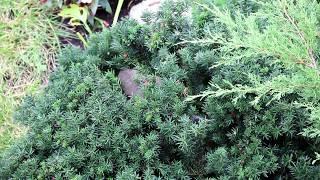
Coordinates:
column 310, row 51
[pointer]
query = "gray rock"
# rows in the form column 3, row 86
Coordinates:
column 128, row 82
column 132, row 81
column 152, row 6
column 138, row 10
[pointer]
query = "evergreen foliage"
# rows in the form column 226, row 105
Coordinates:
column 238, row 99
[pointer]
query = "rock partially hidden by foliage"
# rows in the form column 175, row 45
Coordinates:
column 238, row 99
column 128, row 81
column 146, row 6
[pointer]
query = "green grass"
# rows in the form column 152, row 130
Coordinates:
column 28, row 46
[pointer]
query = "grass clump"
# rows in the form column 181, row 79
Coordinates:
column 28, row 46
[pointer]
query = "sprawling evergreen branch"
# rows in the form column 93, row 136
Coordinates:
column 310, row 51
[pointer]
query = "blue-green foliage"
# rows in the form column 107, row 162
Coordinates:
column 82, row 126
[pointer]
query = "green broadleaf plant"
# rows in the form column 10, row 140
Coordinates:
column 80, row 12
column 78, row 15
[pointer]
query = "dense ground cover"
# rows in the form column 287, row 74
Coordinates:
column 229, row 91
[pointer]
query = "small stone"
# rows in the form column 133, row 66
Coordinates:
column 127, row 79
column 131, row 82
column 196, row 119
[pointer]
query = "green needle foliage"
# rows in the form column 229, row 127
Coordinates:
column 238, row 99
